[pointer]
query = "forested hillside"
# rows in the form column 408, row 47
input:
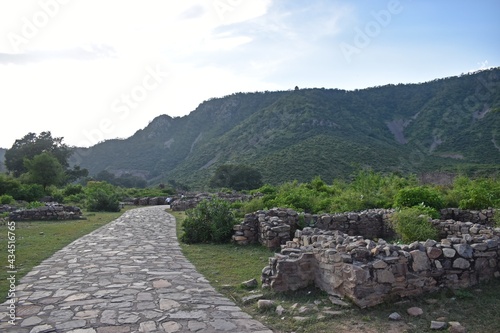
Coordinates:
column 446, row 124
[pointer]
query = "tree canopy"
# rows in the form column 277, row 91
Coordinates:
column 236, row 177
column 45, row 169
column 30, row 146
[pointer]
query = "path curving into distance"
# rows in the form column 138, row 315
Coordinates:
column 127, row 276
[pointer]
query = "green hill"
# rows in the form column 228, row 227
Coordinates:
column 446, row 124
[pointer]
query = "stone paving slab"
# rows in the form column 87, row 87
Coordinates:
column 128, row 276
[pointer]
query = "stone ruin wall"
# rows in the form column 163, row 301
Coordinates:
column 191, row 201
column 47, row 212
column 273, row 228
column 347, row 263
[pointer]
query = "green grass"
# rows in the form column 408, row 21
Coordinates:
column 227, row 265
column 38, row 240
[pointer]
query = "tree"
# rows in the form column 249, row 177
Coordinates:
column 236, row 177
column 32, row 145
column 45, row 169
column 76, row 173
column 106, row 176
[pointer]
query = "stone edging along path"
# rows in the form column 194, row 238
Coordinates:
column 127, row 276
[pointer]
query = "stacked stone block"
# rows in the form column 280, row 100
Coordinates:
column 273, row 225
column 370, row 272
column 49, row 212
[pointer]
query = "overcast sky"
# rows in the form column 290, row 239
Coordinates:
column 90, row 70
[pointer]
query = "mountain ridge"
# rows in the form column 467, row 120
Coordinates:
column 298, row 134
column 444, row 124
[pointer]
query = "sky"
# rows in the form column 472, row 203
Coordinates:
column 93, row 70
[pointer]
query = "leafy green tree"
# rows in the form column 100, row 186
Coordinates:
column 45, row 169
column 105, row 176
column 30, row 146
column 75, row 173
column 236, row 177
column 128, row 180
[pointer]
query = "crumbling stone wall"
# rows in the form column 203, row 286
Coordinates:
column 276, row 226
column 48, row 212
column 190, row 201
column 7, row 209
column 145, row 201
column 484, row 216
column 369, row 272
column 269, row 227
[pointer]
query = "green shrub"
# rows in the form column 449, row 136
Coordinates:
column 237, row 205
column 475, row 193
column 56, row 193
column 413, row 196
column 34, row 204
column 348, row 201
column 6, row 199
column 378, row 190
column 72, row 189
column 210, row 221
column 412, row 224
column 102, row 197
column 8, row 184
column 29, row 192
column 253, row 205
column 77, row 199
column 265, row 189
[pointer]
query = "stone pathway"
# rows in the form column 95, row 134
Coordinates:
column 128, row 276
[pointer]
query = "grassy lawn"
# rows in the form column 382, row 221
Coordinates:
column 226, row 266
column 38, row 240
